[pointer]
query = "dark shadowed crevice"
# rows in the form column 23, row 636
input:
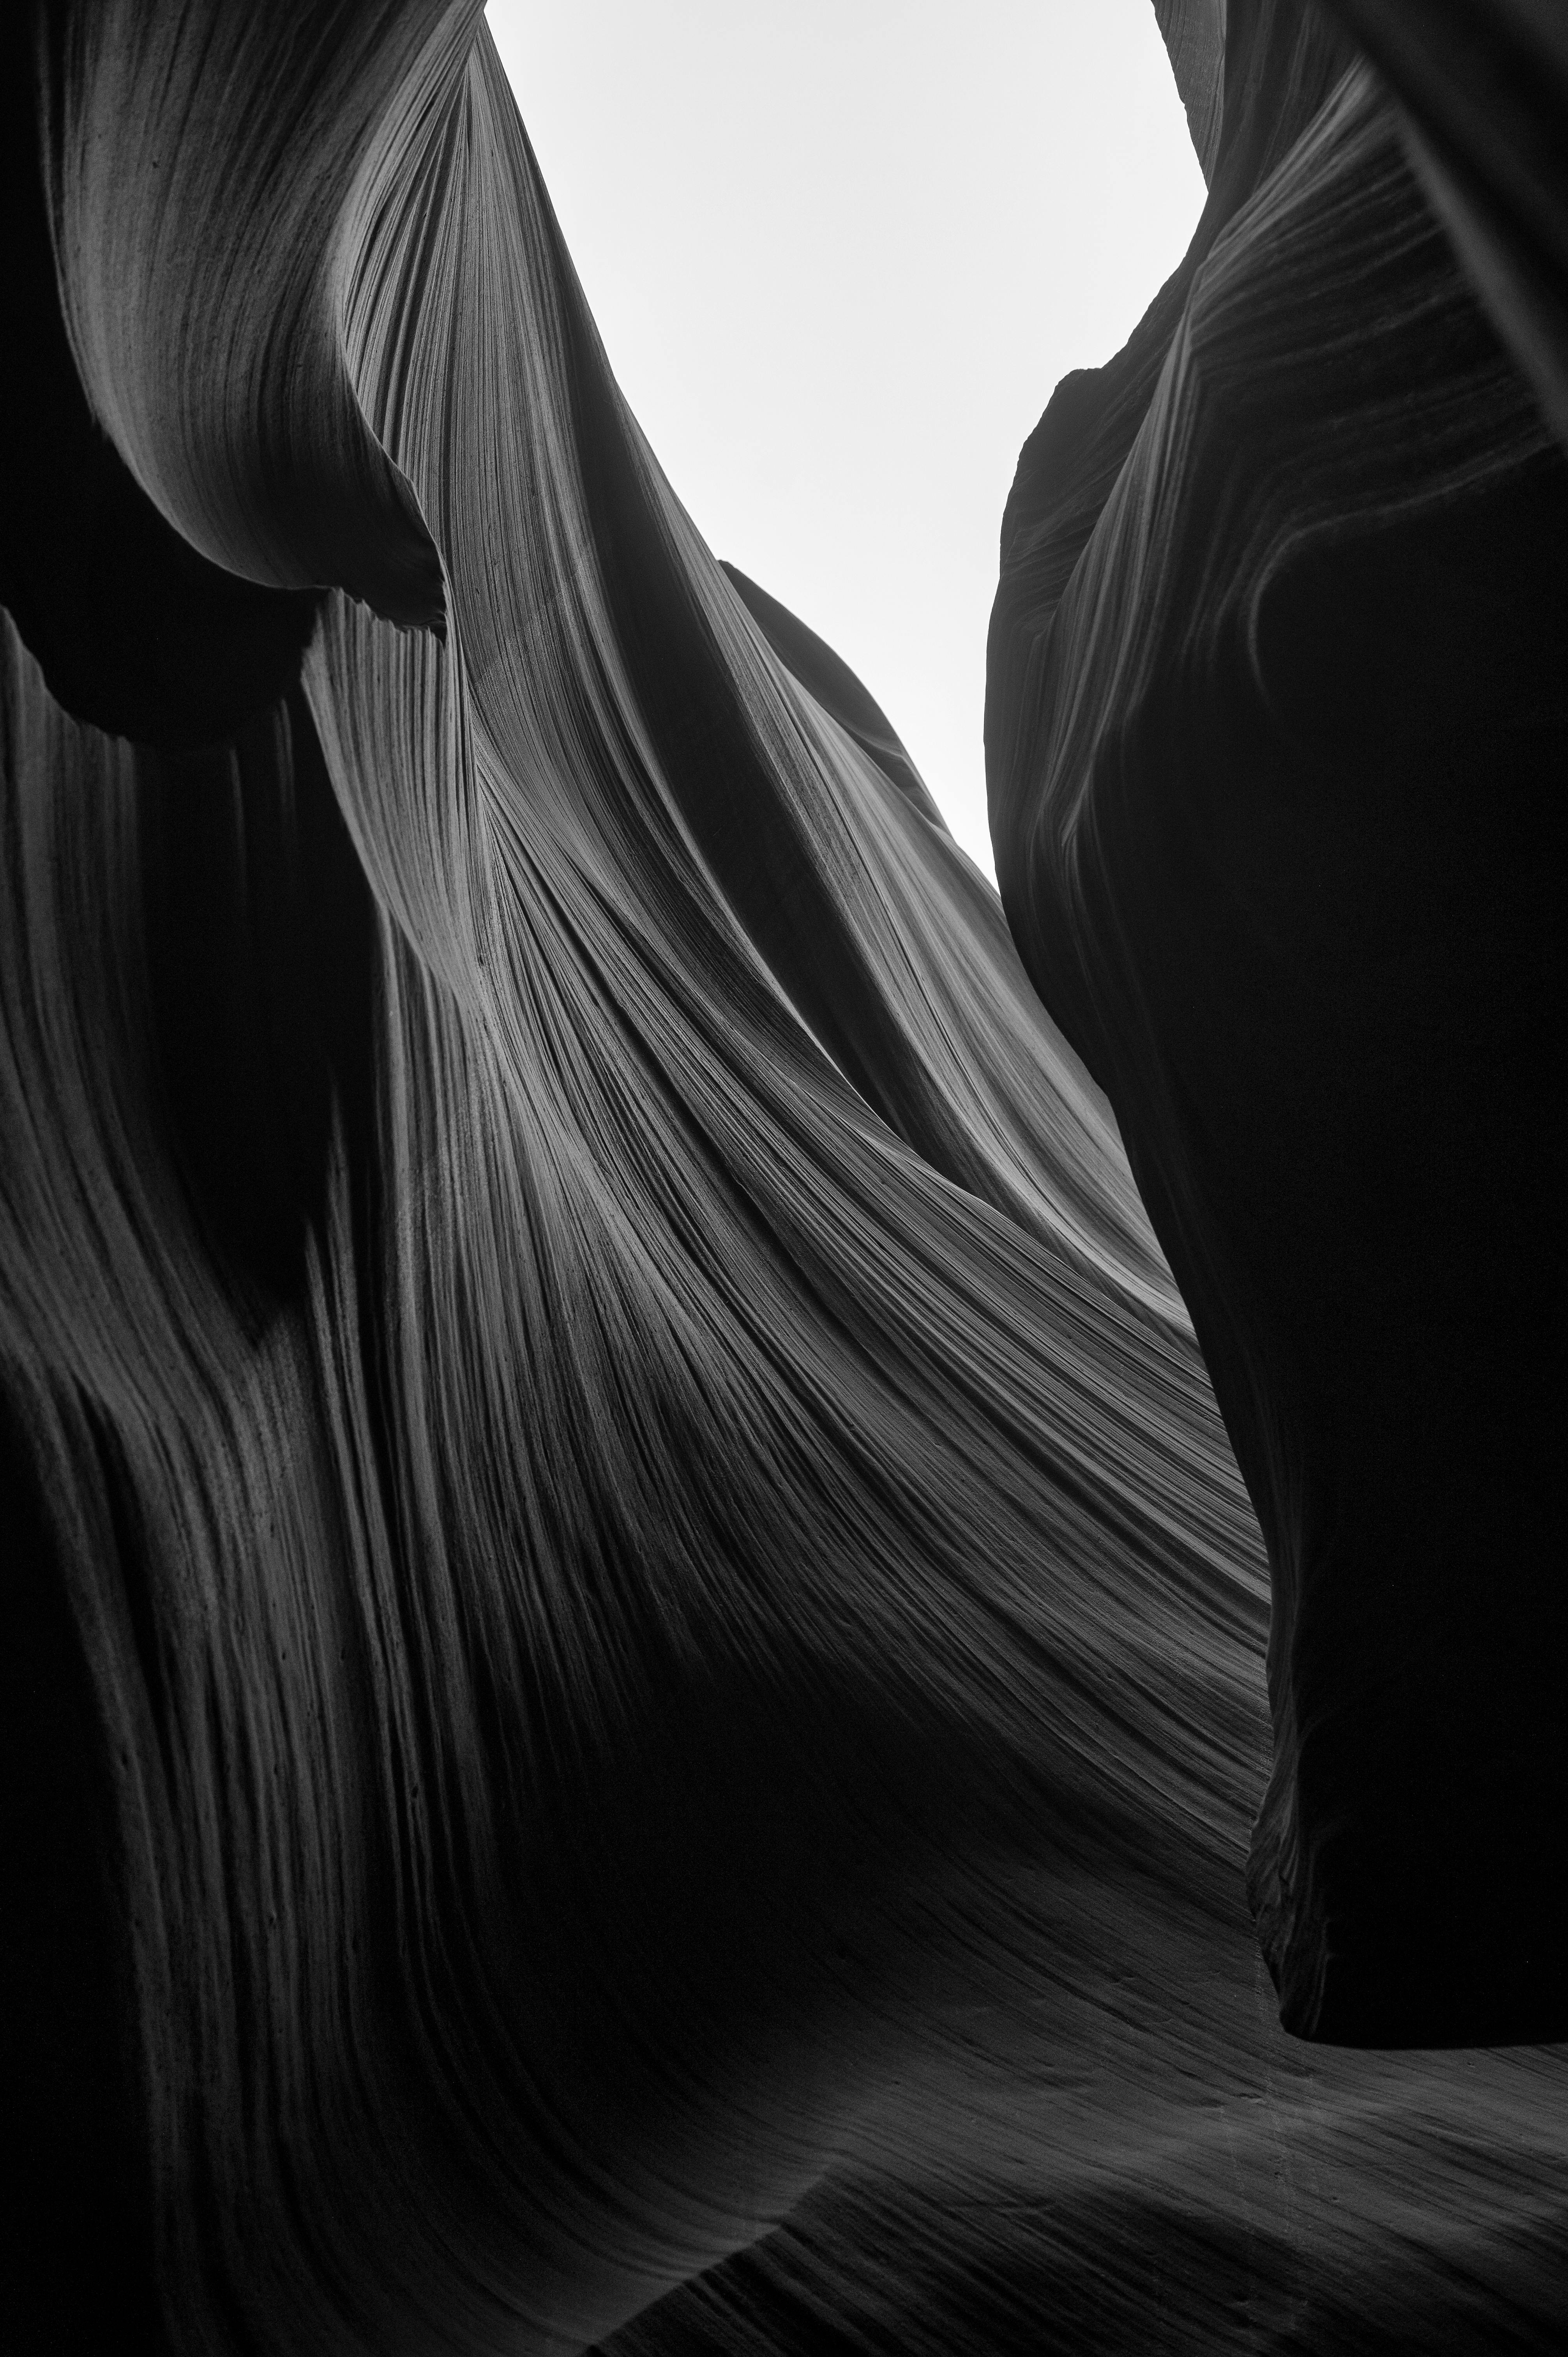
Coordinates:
column 133, row 631
column 260, row 950
column 76, row 2226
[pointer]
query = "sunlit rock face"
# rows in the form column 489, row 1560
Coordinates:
column 1277, row 731
column 634, row 1682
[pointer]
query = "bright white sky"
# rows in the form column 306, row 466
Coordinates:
column 840, row 252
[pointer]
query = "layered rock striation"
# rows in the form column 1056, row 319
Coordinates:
column 635, row 1682
column 1277, row 723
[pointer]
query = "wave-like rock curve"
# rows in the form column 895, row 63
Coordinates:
column 636, row 1680
column 1276, row 724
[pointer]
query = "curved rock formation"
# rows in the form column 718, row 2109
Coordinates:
column 1485, row 88
column 1277, row 720
column 637, row 1666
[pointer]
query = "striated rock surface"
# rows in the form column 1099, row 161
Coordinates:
column 636, row 1674
column 1277, row 725
column 1484, row 87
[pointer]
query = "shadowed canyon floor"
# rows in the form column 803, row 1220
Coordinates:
column 636, row 1692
